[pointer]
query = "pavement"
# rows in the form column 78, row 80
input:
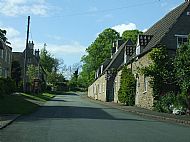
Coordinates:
column 73, row 117
column 7, row 119
column 179, row 119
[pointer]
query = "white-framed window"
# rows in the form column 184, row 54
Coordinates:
column 181, row 39
column 145, row 84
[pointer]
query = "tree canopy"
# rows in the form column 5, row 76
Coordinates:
column 131, row 34
column 97, row 53
column 51, row 66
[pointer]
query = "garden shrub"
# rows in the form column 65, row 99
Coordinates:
column 127, row 91
column 7, row 86
column 165, row 103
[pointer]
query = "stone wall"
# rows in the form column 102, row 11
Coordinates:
column 117, row 86
column 144, row 92
column 98, row 89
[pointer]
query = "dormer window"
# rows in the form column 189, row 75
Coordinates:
column 181, row 39
column 142, row 42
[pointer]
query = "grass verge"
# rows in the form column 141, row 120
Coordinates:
column 22, row 103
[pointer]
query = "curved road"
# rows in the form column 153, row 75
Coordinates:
column 70, row 118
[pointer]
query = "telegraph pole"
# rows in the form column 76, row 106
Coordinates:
column 25, row 56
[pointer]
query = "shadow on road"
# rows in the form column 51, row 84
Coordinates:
column 72, row 112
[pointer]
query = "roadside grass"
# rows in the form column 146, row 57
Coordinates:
column 22, row 103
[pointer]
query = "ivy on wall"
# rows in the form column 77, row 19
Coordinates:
column 161, row 72
column 127, row 91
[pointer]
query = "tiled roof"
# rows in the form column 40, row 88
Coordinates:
column 127, row 43
column 159, row 29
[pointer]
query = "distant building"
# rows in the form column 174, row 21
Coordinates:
column 29, row 57
column 5, row 59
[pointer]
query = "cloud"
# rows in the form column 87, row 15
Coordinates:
column 73, row 48
column 144, row 30
column 123, row 27
column 14, row 37
column 71, row 53
column 23, row 7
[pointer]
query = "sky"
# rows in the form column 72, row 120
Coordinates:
column 68, row 27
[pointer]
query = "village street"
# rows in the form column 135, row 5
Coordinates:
column 69, row 118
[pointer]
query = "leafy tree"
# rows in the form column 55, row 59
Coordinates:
column 131, row 34
column 97, row 52
column 16, row 72
column 127, row 89
column 32, row 73
column 54, row 77
column 47, row 61
column 182, row 68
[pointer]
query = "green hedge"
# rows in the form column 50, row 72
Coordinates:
column 7, row 86
column 126, row 94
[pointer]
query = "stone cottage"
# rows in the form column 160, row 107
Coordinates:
column 171, row 31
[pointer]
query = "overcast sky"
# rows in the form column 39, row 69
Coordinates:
column 68, row 27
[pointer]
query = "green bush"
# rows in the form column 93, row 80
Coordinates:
column 7, row 86
column 165, row 103
column 126, row 94
column 169, row 101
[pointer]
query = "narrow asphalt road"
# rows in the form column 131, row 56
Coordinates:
column 70, row 118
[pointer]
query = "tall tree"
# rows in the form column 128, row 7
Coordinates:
column 47, row 61
column 131, row 34
column 97, row 52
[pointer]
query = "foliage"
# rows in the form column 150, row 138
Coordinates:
column 54, row 77
column 16, row 72
column 165, row 103
column 51, row 66
column 182, row 68
column 73, row 83
column 170, row 101
column 97, row 52
column 48, row 62
column 7, row 86
column 131, row 34
column 32, row 73
column 127, row 89
column 161, row 72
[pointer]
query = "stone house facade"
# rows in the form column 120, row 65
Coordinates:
column 171, row 31
column 5, row 60
column 29, row 57
column 103, row 87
